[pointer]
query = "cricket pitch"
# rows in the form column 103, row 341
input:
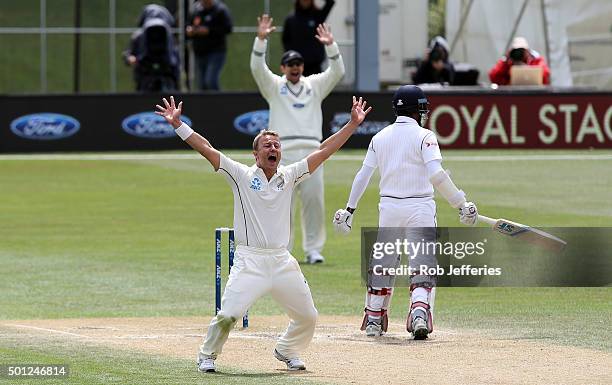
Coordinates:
column 340, row 353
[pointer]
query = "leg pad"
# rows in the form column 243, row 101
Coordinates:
column 422, row 305
column 384, row 318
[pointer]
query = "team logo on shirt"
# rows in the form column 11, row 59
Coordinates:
column 284, row 90
column 280, row 185
column 427, row 144
column 256, row 184
column 298, row 105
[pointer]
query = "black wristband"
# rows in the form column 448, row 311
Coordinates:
column 350, row 210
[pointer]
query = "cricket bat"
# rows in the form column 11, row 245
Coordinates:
column 525, row 233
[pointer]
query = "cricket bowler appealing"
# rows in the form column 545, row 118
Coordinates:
column 295, row 113
column 262, row 204
column 409, row 160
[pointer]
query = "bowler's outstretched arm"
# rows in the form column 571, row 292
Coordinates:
column 172, row 114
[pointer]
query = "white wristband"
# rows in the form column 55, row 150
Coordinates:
column 184, row 131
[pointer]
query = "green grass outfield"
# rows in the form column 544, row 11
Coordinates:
column 134, row 237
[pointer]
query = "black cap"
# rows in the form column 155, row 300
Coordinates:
column 290, row 56
column 409, row 99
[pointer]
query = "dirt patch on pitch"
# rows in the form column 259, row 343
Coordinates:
column 343, row 355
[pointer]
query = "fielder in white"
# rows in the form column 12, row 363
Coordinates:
column 262, row 264
column 295, row 113
column 409, row 160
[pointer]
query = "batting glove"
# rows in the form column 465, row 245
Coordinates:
column 343, row 220
column 468, row 214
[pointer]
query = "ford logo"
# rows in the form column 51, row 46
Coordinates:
column 368, row 127
column 149, row 125
column 45, row 126
column 252, row 122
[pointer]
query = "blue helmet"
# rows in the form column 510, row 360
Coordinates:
column 409, row 99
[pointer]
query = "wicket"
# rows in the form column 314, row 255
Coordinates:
column 218, row 234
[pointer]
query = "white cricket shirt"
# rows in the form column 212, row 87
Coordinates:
column 295, row 109
column 262, row 207
column 400, row 151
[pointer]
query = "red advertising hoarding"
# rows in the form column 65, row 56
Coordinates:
column 522, row 121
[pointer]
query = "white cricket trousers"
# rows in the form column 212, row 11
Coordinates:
column 312, row 196
column 410, row 212
column 257, row 272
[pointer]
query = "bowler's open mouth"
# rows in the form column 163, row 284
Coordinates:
column 272, row 158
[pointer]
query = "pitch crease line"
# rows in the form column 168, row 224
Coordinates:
column 48, row 330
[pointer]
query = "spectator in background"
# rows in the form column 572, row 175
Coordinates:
column 299, row 33
column 435, row 68
column 152, row 53
column 518, row 54
column 209, row 26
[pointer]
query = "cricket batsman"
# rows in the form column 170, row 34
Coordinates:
column 409, row 160
column 295, row 113
column 262, row 263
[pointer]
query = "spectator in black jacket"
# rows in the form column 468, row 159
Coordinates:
column 435, row 67
column 299, row 33
column 210, row 23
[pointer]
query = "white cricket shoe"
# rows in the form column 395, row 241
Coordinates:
column 374, row 329
column 419, row 328
column 292, row 363
column 314, row 257
column 207, row 364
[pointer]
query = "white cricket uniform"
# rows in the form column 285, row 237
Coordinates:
column 295, row 113
column 400, row 152
column 262, row 263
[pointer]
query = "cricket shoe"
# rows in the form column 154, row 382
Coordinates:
column 293, row 364
column 374, row 329
column 206, row 365
column 419, row 328
column 314, row 257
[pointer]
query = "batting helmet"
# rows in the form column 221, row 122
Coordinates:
column 410, row 99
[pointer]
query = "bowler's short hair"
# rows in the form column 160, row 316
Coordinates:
column 263, row 133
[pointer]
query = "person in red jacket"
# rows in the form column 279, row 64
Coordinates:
column 519, row 54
